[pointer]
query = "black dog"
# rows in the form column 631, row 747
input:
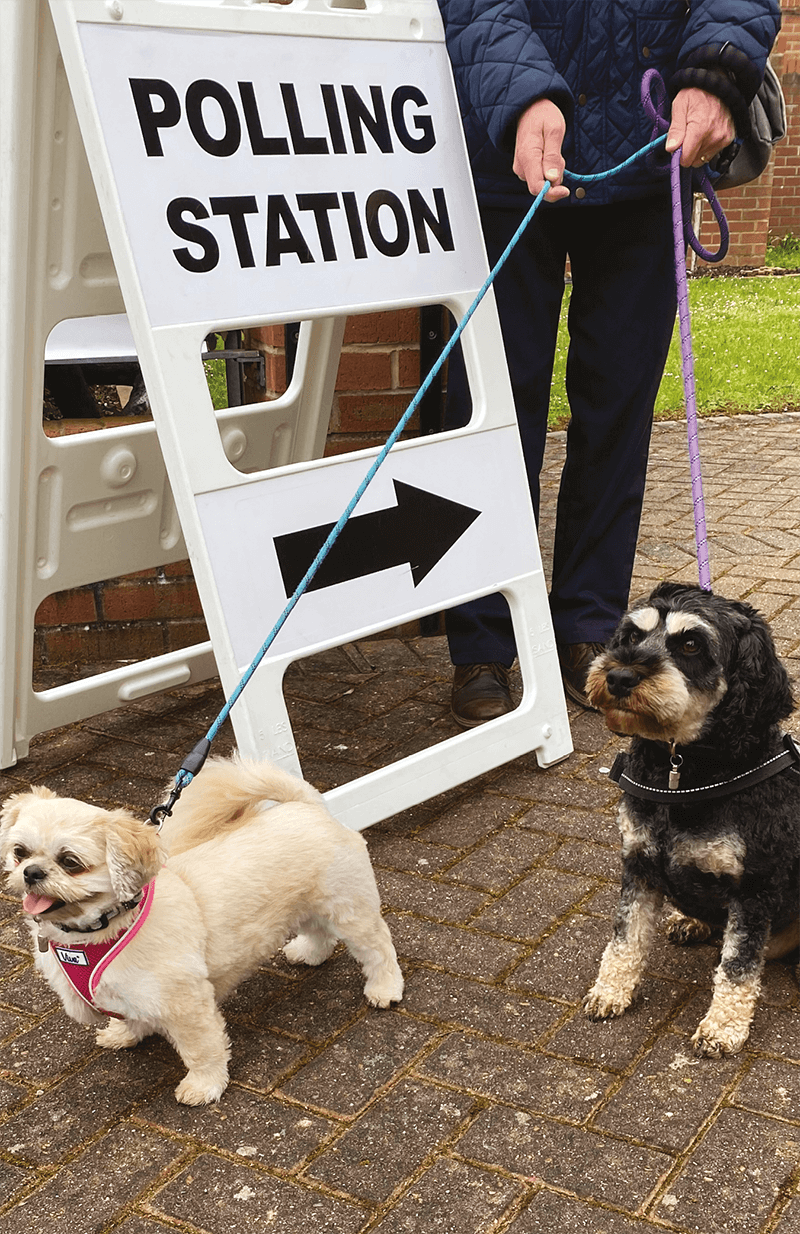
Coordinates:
column 710, row 817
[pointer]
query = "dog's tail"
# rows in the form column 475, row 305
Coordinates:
column 219, row 800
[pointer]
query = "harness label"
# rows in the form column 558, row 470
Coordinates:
column 67, row 956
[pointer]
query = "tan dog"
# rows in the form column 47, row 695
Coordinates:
column 243, row 875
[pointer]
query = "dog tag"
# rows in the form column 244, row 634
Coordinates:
column 42, row 944
column 676, row 762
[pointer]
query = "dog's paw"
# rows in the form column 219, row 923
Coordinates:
column 201, row 1087
column 115, row 1036
column 713, row 1040
column 306, row 949
column 602, row 1002
column 381, row 991
column 682, row 931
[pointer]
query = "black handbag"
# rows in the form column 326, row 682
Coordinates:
column 767, row 126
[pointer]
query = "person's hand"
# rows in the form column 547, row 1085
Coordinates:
column 702, row 124
column 537, row 154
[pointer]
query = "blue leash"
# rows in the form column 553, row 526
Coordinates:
column 197, row 756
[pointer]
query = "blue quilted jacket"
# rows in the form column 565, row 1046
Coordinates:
column 588, row 57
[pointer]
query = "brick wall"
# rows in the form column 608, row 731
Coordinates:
column 785, row 200
column 770, row 205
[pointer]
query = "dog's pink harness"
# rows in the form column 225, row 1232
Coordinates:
column 83, row 964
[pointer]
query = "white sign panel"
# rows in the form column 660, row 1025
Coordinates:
column 281, row 175
column 422, row 534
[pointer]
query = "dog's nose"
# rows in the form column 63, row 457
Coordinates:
column 622, row 681
column 33, row 874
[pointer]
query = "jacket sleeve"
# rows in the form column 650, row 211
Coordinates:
column 725, row 52
column 500, row 64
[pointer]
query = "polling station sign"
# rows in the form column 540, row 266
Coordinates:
column 280, row 175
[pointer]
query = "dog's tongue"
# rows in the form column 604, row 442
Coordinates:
column 36, row 904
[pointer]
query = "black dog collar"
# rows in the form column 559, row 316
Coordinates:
column 789, row 757
column 102, row 921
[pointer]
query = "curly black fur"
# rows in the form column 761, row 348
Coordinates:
column 732, row 861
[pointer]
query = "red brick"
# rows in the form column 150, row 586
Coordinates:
column 143, row 601
column 408, row 369
column 375, row 412
column 364, row 370
column 68, row 428
column 264, row 336
column 178, row 569
column 186, row 633
column 67, row 608
column 275, row 372
column 96, row 644
column 400, row 326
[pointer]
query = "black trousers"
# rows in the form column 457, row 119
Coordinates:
column 621, row 315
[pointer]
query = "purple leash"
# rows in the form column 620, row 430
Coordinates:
column 683, row 234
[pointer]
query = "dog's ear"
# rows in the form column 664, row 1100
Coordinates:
column 133, row 853
column 759, row 691
column 13, row 806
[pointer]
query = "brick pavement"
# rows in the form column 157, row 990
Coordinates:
column 485, row 1101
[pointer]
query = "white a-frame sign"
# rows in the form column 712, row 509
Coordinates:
column 257, row 163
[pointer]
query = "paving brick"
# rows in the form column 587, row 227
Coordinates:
column 469, row 822
column 549, row 1213
column 790, row 1220
column 451, row 1198
column 551, row 789
column 391, row 1140
column 771, row 1087
column 85, row 1195
column 320, row 1003
column 527, row 909
column 438, row 900
column 397, row 852
column 734, row 1178
column 571, row 1158
column 142, row 1225
column 10, row 961
column 257, row 1128
column 544, row 1085
column 57, row 1122
column 565, row 964
column 363, row 1059
column 47, row 1051
column 224, row 1198
column 12, row 1182
column 466, row 952
column 669, row 1095
column 500, row 861
column 615, row 1043
column 491, row 1010
column 562, row 821
column 28, row 992
column 595, row 859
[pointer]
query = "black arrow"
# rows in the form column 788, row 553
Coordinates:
column 419, row 530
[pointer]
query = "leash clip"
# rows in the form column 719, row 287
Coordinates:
column 159, row 813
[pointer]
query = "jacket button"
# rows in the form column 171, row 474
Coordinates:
column 580, row 194
column 646, row 53
column 582, row 100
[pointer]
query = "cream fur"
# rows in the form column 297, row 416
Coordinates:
column 254, row 858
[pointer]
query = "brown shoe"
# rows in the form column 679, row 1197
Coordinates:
column 481, row 692
column 575, row 659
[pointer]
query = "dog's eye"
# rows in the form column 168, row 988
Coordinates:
column 73, row 865
column 635, row 635
column 690, row 646
column 19, row 853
